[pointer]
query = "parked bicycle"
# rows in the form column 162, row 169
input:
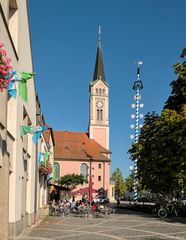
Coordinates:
column 163, row 211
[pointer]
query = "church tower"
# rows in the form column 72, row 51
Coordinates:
column 99, row 102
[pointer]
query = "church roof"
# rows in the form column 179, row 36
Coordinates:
column 78, row 146
column 99, row 67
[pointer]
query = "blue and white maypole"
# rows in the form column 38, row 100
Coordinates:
column 137, row 87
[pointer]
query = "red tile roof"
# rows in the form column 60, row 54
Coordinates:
column 77, row 145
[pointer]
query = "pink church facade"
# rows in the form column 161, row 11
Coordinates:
column 76, row 153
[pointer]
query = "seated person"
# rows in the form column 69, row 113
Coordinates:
column 61, row 204
column 101, row 206
column 54, row 204
column 82, row 205
column 93, row 206
column 73, row 204
column 68, row 204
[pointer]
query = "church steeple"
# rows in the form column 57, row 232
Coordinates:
column 99, row 67
column 99, row 102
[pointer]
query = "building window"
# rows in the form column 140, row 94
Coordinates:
column 99, row 114
column 99, row 165
column 96, row 90
column 103, row 91
column 84, row 170
column 99, row 178
column 56, row 171
column 100, row 91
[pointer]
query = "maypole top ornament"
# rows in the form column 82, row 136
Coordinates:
column 138, row 83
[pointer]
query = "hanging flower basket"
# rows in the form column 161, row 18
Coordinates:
column 43, row 170
column 50, row 169
column 5, row 75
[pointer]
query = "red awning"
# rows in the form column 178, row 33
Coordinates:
column 84, row 191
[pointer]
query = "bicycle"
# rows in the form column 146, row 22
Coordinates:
column 164, row 211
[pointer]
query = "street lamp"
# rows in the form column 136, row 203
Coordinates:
column 137, row 87
column 90, row 182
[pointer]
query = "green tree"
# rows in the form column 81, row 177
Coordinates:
column 129, row 182
column 161, row 149
column 119, row 182
column 71, row 181
column 177, row 100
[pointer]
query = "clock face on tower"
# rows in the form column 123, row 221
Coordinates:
column 99, row 104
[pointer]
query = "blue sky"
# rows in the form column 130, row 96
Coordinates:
column 64, row 35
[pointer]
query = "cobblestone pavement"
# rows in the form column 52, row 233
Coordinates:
column 124, row 225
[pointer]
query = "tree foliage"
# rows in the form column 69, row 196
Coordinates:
column 118, row 179
column 129, row 182
column 177, row 100
column 71, row 181
column 161, row 149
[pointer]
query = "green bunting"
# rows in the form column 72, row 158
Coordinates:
column 46, row 154
column 22, row 85
column 55, row 171
column 25, row 129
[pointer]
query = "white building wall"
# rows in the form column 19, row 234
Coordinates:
column 4, row 159
column 21, row 183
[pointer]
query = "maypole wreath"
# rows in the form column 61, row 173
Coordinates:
column 5, row 73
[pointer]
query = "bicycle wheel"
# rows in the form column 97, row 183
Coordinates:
column 162, row 213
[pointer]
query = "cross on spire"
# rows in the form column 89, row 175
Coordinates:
column 99, row 67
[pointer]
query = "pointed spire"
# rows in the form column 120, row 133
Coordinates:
column 99, row 67
column 99, row 37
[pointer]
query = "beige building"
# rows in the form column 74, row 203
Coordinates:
column 23, row 188
column 44, row 165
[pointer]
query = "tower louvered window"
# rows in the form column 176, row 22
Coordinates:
column 99, row 114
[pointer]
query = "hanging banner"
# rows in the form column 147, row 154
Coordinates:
column 36, row 131
column 22, row 78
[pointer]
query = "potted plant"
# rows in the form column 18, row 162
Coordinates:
column 43, row 170
column 5, row 74
column 49, row 166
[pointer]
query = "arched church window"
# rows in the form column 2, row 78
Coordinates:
column 84, row 170
column 100, row 91
column 96, row 90
column 56, row 171
column 103, row 91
